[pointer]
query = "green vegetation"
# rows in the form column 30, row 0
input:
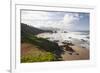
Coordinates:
column 40, row 57
column 48, row 51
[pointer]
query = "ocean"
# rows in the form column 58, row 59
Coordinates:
column 79, row 38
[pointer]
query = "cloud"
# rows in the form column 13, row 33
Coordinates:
column 59, row 20
column 34, row 15
column 70, row 19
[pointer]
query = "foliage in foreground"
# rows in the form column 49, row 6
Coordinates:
column 41, row 57
column 52, row 50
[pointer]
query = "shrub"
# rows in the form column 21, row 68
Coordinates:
column 46, row 56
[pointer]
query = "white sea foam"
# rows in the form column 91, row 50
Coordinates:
column 81, row 38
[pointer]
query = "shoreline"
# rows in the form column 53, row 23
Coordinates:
column 80, row 49
column 81, row 54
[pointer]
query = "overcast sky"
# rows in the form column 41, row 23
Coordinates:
column 61, row 20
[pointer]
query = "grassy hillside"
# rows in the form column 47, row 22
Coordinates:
column 46, row 50
column 26, row 29
column 31, row 53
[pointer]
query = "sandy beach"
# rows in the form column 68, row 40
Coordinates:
column 78, row 51
column 81, row 54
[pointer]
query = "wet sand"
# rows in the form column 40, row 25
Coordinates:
column 81, row 45
column 80, row 54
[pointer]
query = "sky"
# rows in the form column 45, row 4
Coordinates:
column 71, row 21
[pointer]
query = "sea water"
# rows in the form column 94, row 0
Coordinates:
column 78, row 37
